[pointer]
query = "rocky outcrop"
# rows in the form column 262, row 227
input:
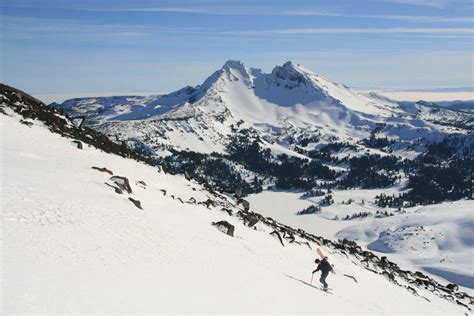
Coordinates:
column 31, row 108
column 122, row 183
column 225, row 227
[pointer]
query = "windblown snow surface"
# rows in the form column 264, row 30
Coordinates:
column 72, row 245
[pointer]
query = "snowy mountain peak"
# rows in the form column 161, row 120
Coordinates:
column 235, row 71
column 234, row 64
column 289, row 70
column 293, row 67
column 290, row 95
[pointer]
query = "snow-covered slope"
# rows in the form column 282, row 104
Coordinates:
column 71, row 244
column 101, row 109
column 290, row 99
column 436, row 239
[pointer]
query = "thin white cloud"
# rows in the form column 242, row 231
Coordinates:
column 36, row 28
column 266, row 11
column 425, row 3
column 228, row 10
column 396, row 30
column 421, row 18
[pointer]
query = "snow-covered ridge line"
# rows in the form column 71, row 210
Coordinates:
column 22, row 105
column 199, row 118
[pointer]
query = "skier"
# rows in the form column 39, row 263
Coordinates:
column 325, row 268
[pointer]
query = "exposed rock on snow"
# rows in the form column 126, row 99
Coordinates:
column 137, row 203
column 225, row 227
column 78, row 144
column 103, row 169
column 122, row 183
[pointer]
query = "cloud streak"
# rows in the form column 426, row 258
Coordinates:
column 396, row 30
column 228, row 10
column 439, row 4
column 421, row 18
column 272, row 11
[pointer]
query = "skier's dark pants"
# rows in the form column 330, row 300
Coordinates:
column 322, row 279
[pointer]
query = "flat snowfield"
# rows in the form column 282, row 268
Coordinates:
column 72, row 245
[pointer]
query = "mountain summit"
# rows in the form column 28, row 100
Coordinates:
column 289, row 97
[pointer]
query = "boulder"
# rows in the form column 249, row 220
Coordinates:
column 122, row 183
column 244, row 203
column 77, row 144
column 225, row 227
column 452, row 287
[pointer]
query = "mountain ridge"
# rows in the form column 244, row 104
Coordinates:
column 290, row 97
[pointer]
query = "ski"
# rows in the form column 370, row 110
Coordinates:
column 320, row 253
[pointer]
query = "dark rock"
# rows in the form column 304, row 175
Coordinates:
column 229, row 211
column 122, row 183
column 208, row 186
column 389, row 276
column 225, row 227
column 462, row 304
column 136, row 202
column 208, row 203
column 452, row 287
column 237, row 193
column 351, row 277
column 103, row 170
column 78, row 144
column 411, row 290
column 117, row 190
column 141, row 183
column 289, row 236
column 275, row 233
column 27, row 123
column 244, row 203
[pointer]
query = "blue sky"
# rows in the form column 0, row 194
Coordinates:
column 74, row 47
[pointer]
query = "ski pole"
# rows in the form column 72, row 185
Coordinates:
column 312, row 274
